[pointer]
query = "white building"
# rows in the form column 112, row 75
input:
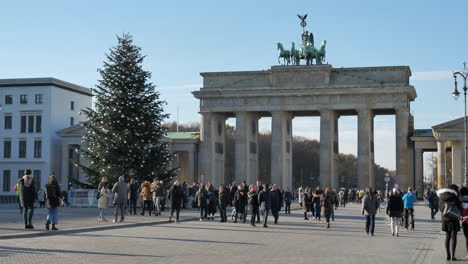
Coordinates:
column 32, row 110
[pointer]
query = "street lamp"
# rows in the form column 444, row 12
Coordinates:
column 456, row 94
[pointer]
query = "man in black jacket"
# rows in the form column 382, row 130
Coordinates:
column 276, row 201
column 222, row 203
column 264, row 200
column 201, row 199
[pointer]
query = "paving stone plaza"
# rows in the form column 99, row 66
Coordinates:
column 292, row 240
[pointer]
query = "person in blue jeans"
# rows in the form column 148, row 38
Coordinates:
column 53, row 200
column 408, row 199
column 370, row 204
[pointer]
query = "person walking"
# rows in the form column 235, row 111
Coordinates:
column 432, row 202
column 306, row 202
column 103, row 201
column 464, row 203
column 158, row 192
column 394, row 211
column 301, row 195
column 316, row 203
column 451, row 207
column 369, row 208
column 120, row 191
column 265, row 203
column 287, row 201
column 239, row 203
column 275, row 202
column 176, row 196
column 409, row 198
column 146, row 197
column 134, row 191
column 212, row 202
column 222, row 203
column 28, row 197
column 41, row 198
column 260, row 211
column 54, row 198
column 253, row 204
column 201, row 199
column 326, row 204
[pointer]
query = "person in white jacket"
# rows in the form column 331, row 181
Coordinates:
column 103, row 201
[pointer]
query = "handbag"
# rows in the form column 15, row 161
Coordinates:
column 451, row 212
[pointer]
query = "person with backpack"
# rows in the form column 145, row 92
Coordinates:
column 28, row 197
column 451, row 209
column 409, row 198
column 54, row 199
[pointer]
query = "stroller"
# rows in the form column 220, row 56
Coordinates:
column 240, row 216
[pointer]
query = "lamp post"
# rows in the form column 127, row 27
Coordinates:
column 463, row 74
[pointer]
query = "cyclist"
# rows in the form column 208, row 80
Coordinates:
column 409, row 198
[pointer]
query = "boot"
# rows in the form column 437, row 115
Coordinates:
column 47, row 226
column 54, row 228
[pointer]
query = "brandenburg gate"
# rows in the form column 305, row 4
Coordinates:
column 284, row 92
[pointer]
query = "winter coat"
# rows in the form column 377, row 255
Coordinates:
column 146, row 193
column 104, row 198
column 306, row 202
column 134, row 191
column 287, row 197
column 40, row 196
column 369, row 207
column 433, row 200
column 223, row 199
column 253, row 200
column 316, row 199
column 264, row 199
column 53, row 195
column 212, row 203
column 120, row 191
column 28, row 194
column 158, row 190
column 275, row 200
column 240, row 201
column 409, row 199
column 176, row 196
column 201, row 198
column 395, row 206
column 449, row 197
column 326, row 203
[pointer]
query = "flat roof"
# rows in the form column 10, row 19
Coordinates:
column 46, row 81
column 423, row 133
column 182, row 135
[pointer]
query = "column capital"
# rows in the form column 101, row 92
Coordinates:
column 401, row 110
column 364, row 111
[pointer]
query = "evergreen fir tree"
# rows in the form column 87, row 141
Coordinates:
column 124, row 130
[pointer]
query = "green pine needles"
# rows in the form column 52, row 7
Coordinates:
column 124, row 130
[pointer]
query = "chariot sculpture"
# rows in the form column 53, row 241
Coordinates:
column 306, row 52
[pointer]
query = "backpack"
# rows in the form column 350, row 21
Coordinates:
column 451, row 212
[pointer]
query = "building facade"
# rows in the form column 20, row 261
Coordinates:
column 32, row 110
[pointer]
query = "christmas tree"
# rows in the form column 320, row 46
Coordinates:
column 124, row 130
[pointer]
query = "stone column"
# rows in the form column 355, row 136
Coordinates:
column 281, row 149
column 441, row 172
column 191, row 167
column 365, row 166
column 403, row 158
column 63, row 177
column 328, row 148
column 419, row 169
column 457, row 163
column 246, row 147
column 212, row 148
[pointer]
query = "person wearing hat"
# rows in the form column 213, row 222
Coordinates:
column 409, row 198
column 394, row 211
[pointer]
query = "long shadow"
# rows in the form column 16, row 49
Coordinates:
column 172, row 239
column 12, row 250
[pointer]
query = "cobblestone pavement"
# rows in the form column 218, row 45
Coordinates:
column 293, row 240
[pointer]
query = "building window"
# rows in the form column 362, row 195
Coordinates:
column 20, row 173
column 72, row 105
column 37, row 148
column 23, row 124
column 72, row 121
column 8, row 99
column 39, row 98
column 23, row 99
column 6, row 180
column 38, row 123
column 7, row 148
column 8, row 121
column 22, row 148
column 31, row 124
column 37, row 179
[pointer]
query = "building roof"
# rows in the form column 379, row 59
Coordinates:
column 47, row 81
column 183, row 135
column 423, row 133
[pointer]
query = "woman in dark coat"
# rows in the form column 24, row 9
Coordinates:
column 253, row 204
column 316, row 204
column 239, row 203
column 326, row 203
column 451, row 226
column 53, row 200
column 223, row 201
column 306, row 201
column 28, row 197
column 395, row 211
column 176, row 196
column 212, row 202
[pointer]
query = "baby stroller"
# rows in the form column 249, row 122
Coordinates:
column 240, row 216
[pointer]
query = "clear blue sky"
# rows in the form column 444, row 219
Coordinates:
column 67, row 40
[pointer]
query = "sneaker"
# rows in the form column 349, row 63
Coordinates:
column 201, row 219
column 114, row 221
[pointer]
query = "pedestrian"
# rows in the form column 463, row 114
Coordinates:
column 451, row 207
column 265, row 203
column 306, row 202
column 176, row 198
column 146, row 197
column 41, row 198
column 464, row 202
column 301, row 195
column 158, row 192
column 316, row 203
column 134, row 191
column 394, row 211
column 369, row 208
column 28, row 197
column 276, row 202
column 222, row 203
column 335, row 203
column 287, row 201
column 432, row 202
column 212, row 202
column 240, row 203
column 54, row 199
column 326, row 204
column 409, row 198
column 201, row 199
column 103, row 201
column 253, row 204
column 120, row 199
column 259, row 212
